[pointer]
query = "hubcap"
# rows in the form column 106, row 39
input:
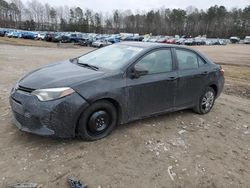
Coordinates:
column 98, row 122
column 207, row 101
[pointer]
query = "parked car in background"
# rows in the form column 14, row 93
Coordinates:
column 9, row 34
column 181, row 41
column 113, row 40
column 90, row 40
column 163, row 39
column 138, row 38
column 90, row 95
column 29, row 35
column 56, row 37
column 61, row 37
column 217, row 42
column 41, row 36
column 189, row 41
column 146, row 39
column 199, row 41
column 75, row 37
column 153, row 39
column 234, row 40
column 171, row 41
column 127, row 38
column 48, row 36
column 85, row 42
column 101, row 43
column 65, row 38
column 16, row 34
column 2, row 33
column 247, row 40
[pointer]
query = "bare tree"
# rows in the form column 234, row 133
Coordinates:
column 216, row 21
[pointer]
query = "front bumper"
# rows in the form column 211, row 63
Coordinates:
column 57, row 118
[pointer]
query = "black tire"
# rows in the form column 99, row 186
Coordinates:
column 206, row 101
column 97, row 121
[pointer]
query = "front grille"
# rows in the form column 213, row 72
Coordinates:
column 25, row 89
column 29, row 122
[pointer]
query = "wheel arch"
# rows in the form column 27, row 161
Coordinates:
column 214, row 87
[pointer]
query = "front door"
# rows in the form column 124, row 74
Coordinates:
column 153, row 92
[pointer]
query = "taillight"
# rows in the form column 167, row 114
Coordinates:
column 222, row 71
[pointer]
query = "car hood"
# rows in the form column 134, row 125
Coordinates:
column 63, row 74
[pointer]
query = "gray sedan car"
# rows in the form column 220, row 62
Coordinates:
column 89, row 95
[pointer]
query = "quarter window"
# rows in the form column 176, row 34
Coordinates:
column 186, row 60
column 201, row 62
column 156, row 62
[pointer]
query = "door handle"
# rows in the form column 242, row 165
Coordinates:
column 172, row 78
column 205, row 73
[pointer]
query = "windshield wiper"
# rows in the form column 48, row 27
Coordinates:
column 84, row 64
column 88, row 65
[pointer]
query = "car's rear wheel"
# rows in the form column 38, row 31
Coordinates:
column 206, row 101
column 97, row 121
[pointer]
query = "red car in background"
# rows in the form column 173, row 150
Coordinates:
column 171, row 41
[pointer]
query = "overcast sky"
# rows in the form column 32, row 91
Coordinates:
column 108, row 5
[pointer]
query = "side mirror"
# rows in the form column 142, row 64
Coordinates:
column 138, row 71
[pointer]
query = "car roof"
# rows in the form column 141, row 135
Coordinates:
column 152, row 45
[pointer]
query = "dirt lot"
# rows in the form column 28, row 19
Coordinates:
column 235, row 59
column 179, row 149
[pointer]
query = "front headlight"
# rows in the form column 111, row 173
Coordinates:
column 52, row 93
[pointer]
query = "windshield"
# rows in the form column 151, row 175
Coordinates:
column 111, row 57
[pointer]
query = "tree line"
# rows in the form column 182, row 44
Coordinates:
column 216, row 21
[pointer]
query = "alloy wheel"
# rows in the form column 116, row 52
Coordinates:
column 207, row 101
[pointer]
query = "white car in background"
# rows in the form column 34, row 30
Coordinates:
column 41, row 36
column 101, row 43
column 234, row 40
column 247, row 40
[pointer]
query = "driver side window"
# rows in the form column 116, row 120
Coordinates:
column 159, row 61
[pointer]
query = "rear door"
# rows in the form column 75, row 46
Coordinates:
column 154, row 92
column 192, row 77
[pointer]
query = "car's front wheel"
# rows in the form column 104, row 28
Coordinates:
column 97, row 121
column 206, row 101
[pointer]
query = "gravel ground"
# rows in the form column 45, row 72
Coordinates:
column 180, row 149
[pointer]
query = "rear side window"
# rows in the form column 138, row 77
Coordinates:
column 186, row 59
column 159, row 61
